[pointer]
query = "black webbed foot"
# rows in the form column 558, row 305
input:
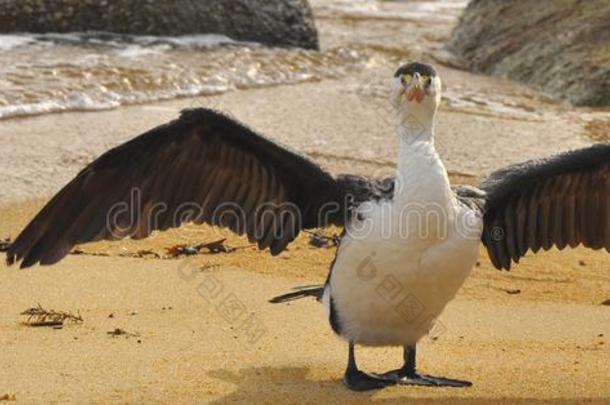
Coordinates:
column 407, row 375
column 357, row 380
column 404, row 377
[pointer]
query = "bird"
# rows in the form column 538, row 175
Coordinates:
column 408, row 243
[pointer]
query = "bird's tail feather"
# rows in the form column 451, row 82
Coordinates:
column 301, row 292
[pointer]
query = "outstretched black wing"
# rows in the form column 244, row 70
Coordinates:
column 204, row 168
column 561, row 201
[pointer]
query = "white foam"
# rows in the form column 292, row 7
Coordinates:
column 137, row 51
column 98, row 71
column 196, row 41
column 108, row 100
column 76, row 102
column 8, row 42
column 199, row 41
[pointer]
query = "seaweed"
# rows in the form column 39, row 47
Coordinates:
column 39, row 317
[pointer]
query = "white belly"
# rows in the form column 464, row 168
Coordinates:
column 387, row 288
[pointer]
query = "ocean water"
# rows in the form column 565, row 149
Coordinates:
column 48, row 73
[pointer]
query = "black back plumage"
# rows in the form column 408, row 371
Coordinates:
column 559, row 201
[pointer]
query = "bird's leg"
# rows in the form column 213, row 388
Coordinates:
column 357, row 380
column 408, row 375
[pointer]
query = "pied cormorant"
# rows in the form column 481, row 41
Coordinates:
column 409, row 243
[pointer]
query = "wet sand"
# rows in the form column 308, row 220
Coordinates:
column 324, row 120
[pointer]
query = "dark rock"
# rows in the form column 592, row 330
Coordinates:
column 271, row 22
column 561, row 47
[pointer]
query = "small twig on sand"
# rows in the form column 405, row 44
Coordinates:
column 217, row 246
column 320, row 240
column 509, row 291
column 141, row 254
column 79, row 252
column 121, row 332
column 40, row 317
column 181, row 250
column 138, row 254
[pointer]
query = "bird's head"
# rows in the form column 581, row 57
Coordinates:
column 416, row 93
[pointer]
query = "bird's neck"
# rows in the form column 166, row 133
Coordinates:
column 421, row 175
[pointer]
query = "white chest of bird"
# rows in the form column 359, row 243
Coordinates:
column 403, row 260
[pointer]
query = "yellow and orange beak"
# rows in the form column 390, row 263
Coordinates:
column 415, row 87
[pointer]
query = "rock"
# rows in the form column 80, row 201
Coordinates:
column 561, row 47
column 284, row 23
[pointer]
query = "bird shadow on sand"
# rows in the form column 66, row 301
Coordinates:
column 279, row 385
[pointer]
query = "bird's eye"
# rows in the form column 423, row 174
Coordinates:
column 406, row 78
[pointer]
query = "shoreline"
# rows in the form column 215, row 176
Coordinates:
column 322, row 119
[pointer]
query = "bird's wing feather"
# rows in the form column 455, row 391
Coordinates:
column 203, row 167
column 561, row 201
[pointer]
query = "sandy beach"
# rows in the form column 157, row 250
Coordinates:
column 540, row 333
column 536, row 334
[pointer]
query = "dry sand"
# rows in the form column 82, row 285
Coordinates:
column 538, row 333
column 512, row 350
